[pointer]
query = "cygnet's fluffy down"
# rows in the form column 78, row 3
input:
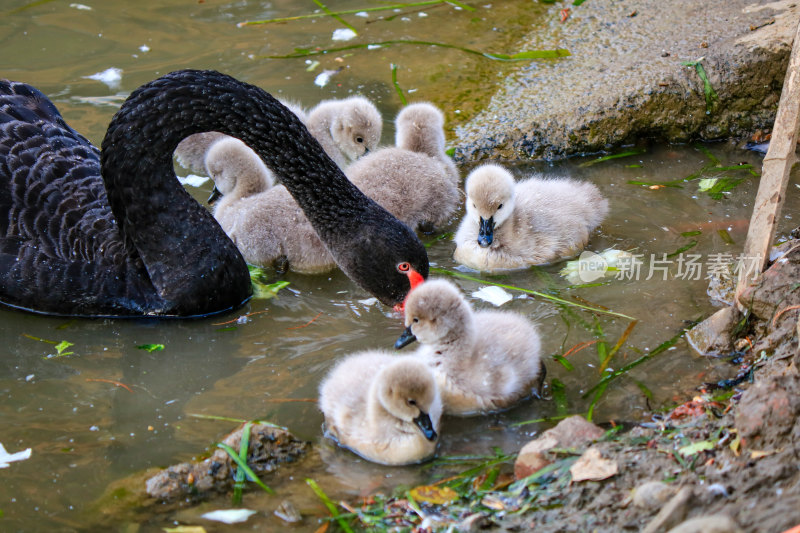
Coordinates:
column 415, row 180
column 267, row 224
column 191, row 151
column 237, row 172
column 512, row 225
column 347, row 128
column 483, row 360
column 383, row 407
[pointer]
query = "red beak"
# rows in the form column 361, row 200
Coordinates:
column 414, row 279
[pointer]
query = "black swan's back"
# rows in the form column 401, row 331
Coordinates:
column 134, row 242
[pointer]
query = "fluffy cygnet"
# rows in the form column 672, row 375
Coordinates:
column 265, row 222
column 483, row 360
column 346, row 129
column 383, row 407
column 237, row 172
column 514, row 225
column 415, row 180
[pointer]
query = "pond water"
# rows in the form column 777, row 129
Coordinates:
column 106, row 410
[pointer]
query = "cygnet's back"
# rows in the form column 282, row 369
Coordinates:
column 415, row 181
column 346, row 129
column 483, row 360
column 270, row 229
column 383, row 407
column 512, row 225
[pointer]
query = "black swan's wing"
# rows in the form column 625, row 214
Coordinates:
column 60, row 247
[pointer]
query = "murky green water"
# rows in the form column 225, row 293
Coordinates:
column 87, row 431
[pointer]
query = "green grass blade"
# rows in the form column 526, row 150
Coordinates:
column 243, row 465
column 329, row 504
column 330, row 13
column 397, row 86
column 238, row 480
column 622, row 371
column 628, row 153
column 532, row 292
column 521, row 56
column 559, row 392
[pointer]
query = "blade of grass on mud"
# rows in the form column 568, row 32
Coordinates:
column 329, row 504
column 618, row 345
column 243, row 465
column 397, row 86
column 633, row 364
column 237, row 420
column 238, row 480
column 531, row 292
column 519, row 56
column 725, row 236
column 604, row 158
column 708, row 91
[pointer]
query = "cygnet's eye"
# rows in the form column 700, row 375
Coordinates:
column 411, row 401
column 500, row 206
column 415, row 320
column 359, row 140
column 403, row 267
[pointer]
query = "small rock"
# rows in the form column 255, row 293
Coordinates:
column 773, row 290
column 716, row 523
column 593, row 467
column 714, row 335
column 652, row 495
column 571, row 432
column 574, row 432
column 768, row 409
column 532, row 457
column 672, row 513
column 287, row 512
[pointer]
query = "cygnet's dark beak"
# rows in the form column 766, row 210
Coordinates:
column 486, row 232
column 423, row 422
column 404, row 339
column 215, row 195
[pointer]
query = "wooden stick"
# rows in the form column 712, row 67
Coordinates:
column 774, row 176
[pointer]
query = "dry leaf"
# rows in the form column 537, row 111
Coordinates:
column 592, row 467
column 433, row 494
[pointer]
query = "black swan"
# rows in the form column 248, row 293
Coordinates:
column 113, row 233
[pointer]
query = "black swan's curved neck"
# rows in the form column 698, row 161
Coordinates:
column 137, row 153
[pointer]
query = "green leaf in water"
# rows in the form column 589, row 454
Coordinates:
column 683, row 248
column 726, row 237
column 691, row 233
column 559, row 392
column 330, row 505
column 578, row 2
column 61, row 346
column 397, row 86
column 451, row 151
column 645, row 390
column 627, row 153
column 706, row 184
column 262, row 291
column 151, row 347
column 637, row 165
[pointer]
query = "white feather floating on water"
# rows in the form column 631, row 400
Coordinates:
column 110, row 76
column 7, row 458
column 343, row 34
column 493, row 294
column 229, row 516
column 193, row 179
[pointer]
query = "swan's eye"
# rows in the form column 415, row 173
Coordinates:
column 500, row 206
column 359, row 140
column 403, row 267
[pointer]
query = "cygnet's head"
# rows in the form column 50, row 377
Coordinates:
column 233, row 165
column 356, row 127
column 490, row 199
column 420, row 128
column 434, row 312
column 408, row 391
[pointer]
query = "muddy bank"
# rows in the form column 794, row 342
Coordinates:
column 625, row 79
